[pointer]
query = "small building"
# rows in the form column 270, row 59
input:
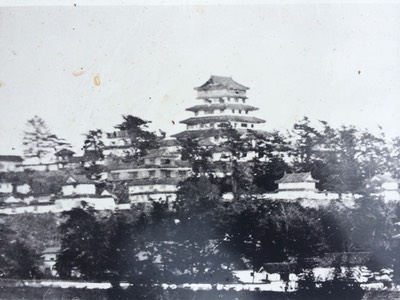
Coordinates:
column 66, row 159
column 6, row 187
column 79, row 191
column 297, row 182
column 149, row 190
column 386, row 186
column 78, row 185
column 329, row 265
column 64, row 154
column 117, row 143
column 22, row 188
column 154, row 177
column 49, row 259
column 49, row 166
column 11, row 163
column 12, row 201
column 301, row 187
column 277, row 271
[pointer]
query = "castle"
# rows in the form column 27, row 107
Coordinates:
column 222, row 102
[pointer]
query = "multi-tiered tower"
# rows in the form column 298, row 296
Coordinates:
column 223, row 101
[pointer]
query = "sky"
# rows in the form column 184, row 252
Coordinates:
column 82, row 67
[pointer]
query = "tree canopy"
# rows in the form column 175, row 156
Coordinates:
column 38, row 141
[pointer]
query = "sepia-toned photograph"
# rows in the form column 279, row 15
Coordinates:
column 199, row 150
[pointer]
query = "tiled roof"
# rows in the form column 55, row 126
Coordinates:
column 64, row 152
column 210, row 107
column 82, row 179
column 51, row 250
column 178, row 164
column 159, row 153
column 220, row 82
column 169, row 142
column 225, row 119
column 12, row 199
column 151, row 181
column 206, row 133
column 296, row 177
column 124, row 166
column 386, row 177
column 200, row 134
column 206, row 143
column 11, row 158
column 279, row 267
column 335, row 259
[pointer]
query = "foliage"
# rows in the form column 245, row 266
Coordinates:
column 82, row 245
column 39, row 142
column 140, row 139
column 36, row 230
column 262, row 231
column 199, row 237
column 197, row 155
column 17, row 260
column 342, row 159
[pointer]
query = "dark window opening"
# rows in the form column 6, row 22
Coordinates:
column 166, row 173
column 165, row 161
column 133, row 174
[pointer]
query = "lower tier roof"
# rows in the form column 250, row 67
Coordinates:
column 222, row 119
column 212, row 132
column 222, row 106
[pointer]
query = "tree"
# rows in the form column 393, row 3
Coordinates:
column 94, row 143
column 17, row 260
column 236, row 166
column 271, row 161
column 342, row 159
column 102, row 246
column 351, row 157
column 83, row 245
column 140, row 139
column 189, row 246
column 119, row 235
column 306, row 137
column 262, row 231
column 93, row 147
column 25, row 260
column 197, row 155
column 39, row 142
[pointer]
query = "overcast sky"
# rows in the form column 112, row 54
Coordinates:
column 81, row 67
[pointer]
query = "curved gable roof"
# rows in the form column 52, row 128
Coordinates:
column 221, row 82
